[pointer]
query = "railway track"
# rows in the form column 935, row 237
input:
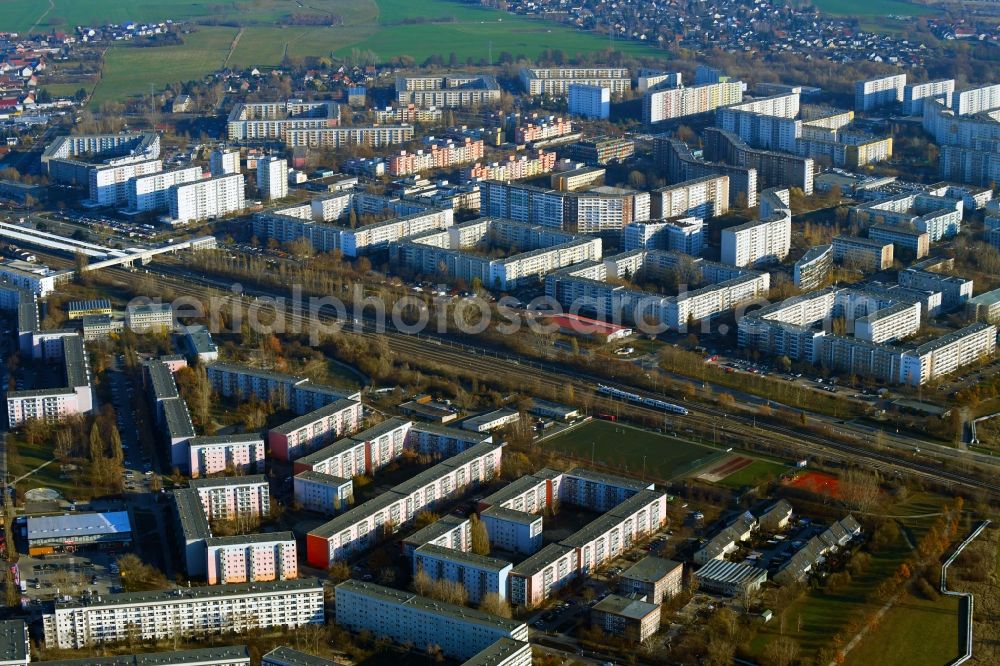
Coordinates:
column 548, row 374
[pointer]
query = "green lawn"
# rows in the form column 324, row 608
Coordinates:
column 754, row 474
column 916, row 632
column 31, row 457
column 872, row 8
column 625, row 447
column 824, row 615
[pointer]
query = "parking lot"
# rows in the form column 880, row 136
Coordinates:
column 69, row 574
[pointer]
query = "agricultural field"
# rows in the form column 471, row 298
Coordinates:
column 25, row 15
column 384, row 28
column 878, row 8
column 628, row 449
column 130, row 71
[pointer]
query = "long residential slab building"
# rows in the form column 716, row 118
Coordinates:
column 184, row 613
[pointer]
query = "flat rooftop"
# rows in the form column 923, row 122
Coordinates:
column 75, row 525
column 651, row 569
column 632, row 609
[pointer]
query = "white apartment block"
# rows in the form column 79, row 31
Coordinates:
column 872, row 254
column 512, row 531
column 685, row 235
column 450, row 91
column 660, row 105
column 914, row 94
column 647, row 79
column 322, row 493
column 231, row 497
column 948, row 353
column 702, row 197
column 449, row 531
column 477, row 574
column 207, row 199
column 403, row 617
column 889, row 324
column 544, row 250
column 224, row 161
column 185, row 613
column 442, row 441
column 109, row 184
column 589, row 101
column 764, row 241
column 975, row 100
column 340, row 137
column 304, row 434
column 364, row 525
column 150, row 192
column 535, row 579
column 876, row 93
column 955, row 291
column 34, row 278
column 74, row 396
column 242, row 454
column 272, row 178
column 555, row 82
column 251, row 558
column 597, row 491
column 264, row 121
column 146, row 317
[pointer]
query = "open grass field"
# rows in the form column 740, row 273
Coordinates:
column 23, row 15
column 916, row 632
column 30, row 458
column 819, row 615
column 754, row 474
column 385, row 28
column 872, row 8
column 624, row 447
column 130, row 71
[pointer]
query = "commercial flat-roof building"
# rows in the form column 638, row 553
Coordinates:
column 15, row 645
column 286, row 656
column 654, row 578
column 79, row 530
column 491, row 420
column 184, row 613
column 631, row 619
column 404, row 617
column 730, row 578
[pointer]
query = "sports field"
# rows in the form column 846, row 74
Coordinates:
column 737, row 471
column 625, row 448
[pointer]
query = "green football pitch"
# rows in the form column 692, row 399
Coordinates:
column 630, row 449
